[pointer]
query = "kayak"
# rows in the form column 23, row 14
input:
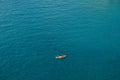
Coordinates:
column 61, row 56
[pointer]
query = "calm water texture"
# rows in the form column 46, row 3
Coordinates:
column 33, row 32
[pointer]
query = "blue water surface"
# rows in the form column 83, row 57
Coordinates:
column 33, row 32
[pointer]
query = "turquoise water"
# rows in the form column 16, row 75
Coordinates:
column 33, row 32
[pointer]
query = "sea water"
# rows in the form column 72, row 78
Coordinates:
column 34, row 32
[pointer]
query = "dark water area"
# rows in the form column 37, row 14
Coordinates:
column 33, row 32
